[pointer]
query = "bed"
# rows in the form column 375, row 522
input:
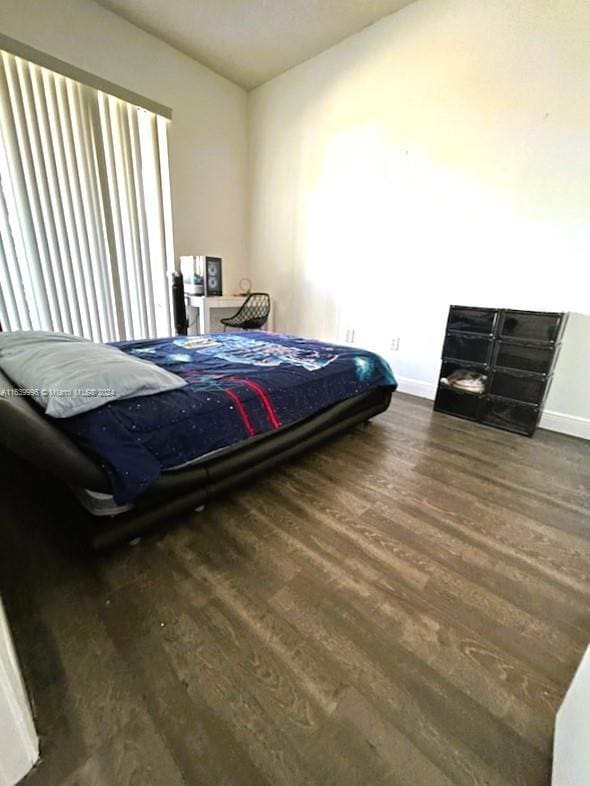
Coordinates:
column 251, row 400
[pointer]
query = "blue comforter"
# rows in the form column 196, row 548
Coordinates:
column 238, row 386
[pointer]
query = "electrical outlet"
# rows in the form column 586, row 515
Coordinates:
column 349, row 335
column 395, row 344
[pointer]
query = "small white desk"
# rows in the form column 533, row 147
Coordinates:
column 211, row 309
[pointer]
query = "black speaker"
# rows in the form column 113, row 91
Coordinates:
column 213, row 285
column 178, row 305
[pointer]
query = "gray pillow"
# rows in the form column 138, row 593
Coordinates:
column 67, row 375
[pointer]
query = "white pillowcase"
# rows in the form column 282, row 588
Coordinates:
column 67, row 375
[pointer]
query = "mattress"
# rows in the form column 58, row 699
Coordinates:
column 239, row 388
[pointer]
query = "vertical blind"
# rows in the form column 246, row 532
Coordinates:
column 85, row 212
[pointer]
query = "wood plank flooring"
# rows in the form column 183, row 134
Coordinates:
column 405, row 606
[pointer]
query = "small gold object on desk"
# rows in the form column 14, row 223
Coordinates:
column 245, row 287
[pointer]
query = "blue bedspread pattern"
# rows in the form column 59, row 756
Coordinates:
column 238, row 386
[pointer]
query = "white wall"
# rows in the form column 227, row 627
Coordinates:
column 19, row 746
column 568, row 404
column 571, row 745
column 440, row 156
column 207, row 139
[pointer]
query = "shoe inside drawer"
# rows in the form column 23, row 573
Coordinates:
column 509, row 415
column 526, row 357
column 452, row 370
column 472, row 349
column 519, row 386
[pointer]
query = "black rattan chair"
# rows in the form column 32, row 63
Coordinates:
column 252, row 314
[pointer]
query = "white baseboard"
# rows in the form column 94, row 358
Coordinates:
column 416, row 387
column 573, row 425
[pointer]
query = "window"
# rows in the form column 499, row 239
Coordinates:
column 85, row 215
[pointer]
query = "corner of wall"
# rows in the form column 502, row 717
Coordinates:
column 20, row 750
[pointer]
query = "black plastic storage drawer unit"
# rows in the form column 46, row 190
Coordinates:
column 524, row 357
column 509, row 415
column 531, row 326
column 471, row 349
column 518, row 385
column 511, row 354
column 457, row 402
column 472, row 320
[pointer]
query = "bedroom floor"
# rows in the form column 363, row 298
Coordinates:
column 406, row 605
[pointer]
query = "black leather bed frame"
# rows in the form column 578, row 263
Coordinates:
column 25, row 431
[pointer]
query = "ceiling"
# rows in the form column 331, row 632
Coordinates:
column 251, row 41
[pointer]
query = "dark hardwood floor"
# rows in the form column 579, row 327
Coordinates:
column 405, row 606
